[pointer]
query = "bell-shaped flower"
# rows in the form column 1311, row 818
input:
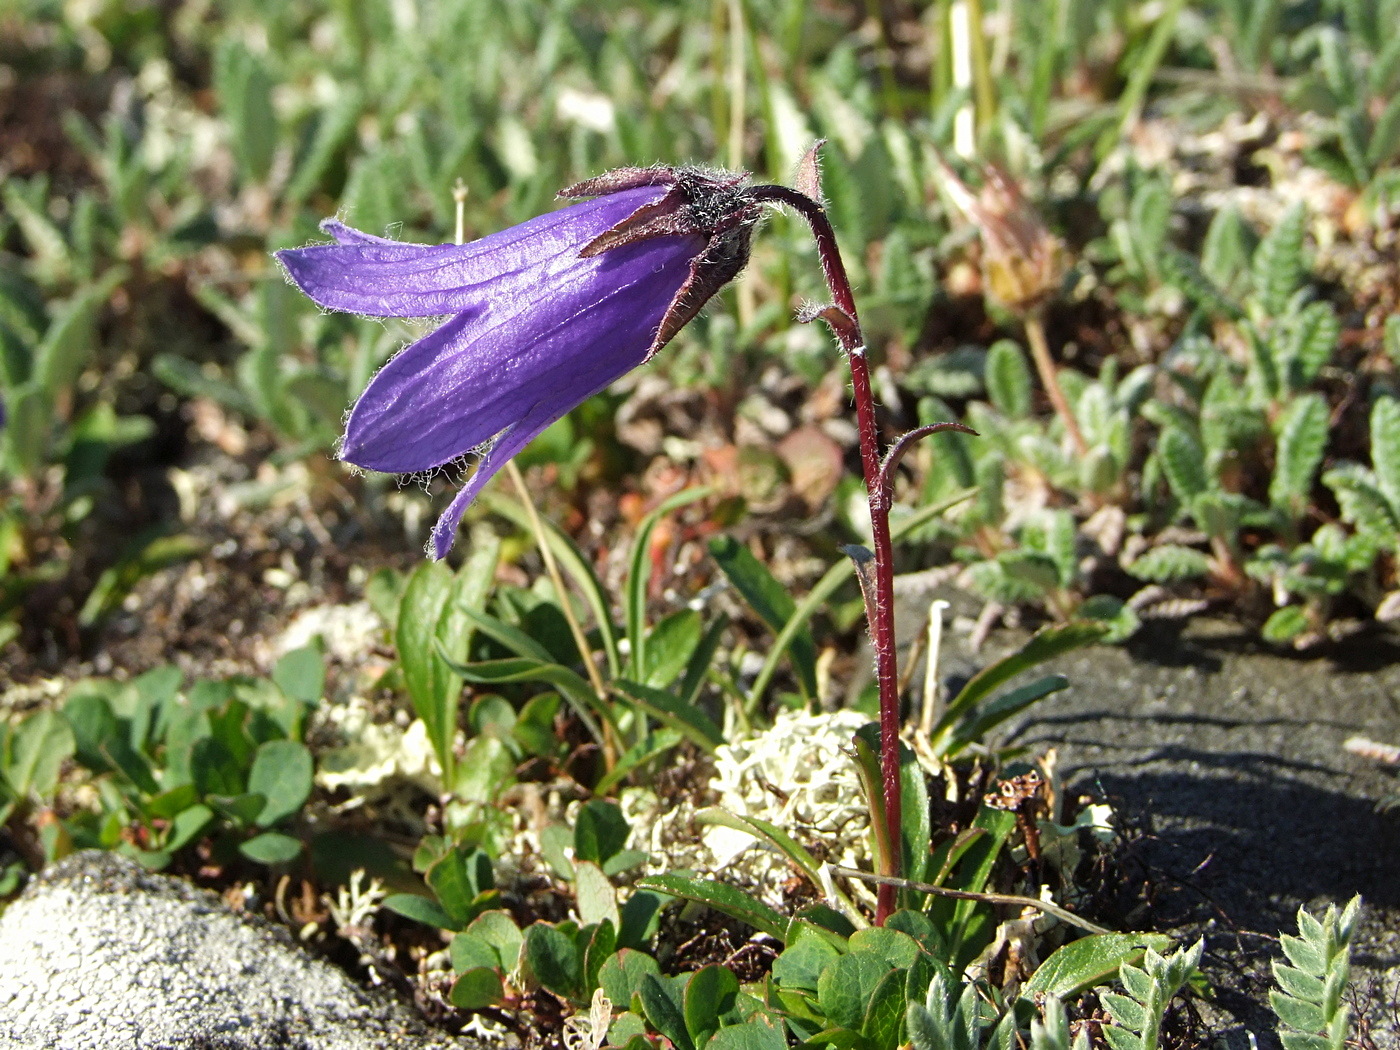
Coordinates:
column 539, row 317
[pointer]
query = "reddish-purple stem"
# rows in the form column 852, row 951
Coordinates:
column 880, row 606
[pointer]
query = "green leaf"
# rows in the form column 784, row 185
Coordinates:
column 271, row 847
column 1124, row 1010
column 765, row 831
column 498, row 929
column 1009, row 379
column 1121, row 1039
column 1363, row 503
column 1088, row 962
column 669, row 647
column 1227, row 247
column 884, row 1013
column 751, row 1035
column 1306, row 957
column 432, row 687
column 600, row 831
column 301, row 674
column 724, row 898
column 709, row 995
column 846, row 986
column 1385, row 136
column 895, row 948
column 513, row 638
column 594, row 894
column 1310, row 342
column 621, row 975
column 334, row 130
column 661, row 999
column 1303, row 1016
column 469, row 952
column 639, row 575
column 571, row 685
column 1385, row 448
column 1184, row 464
column 282, row 773
column 1302, row 439
column 969, row 924
column 980, row 723
column 552, row 959
column 37, row 751
column 1182, row 272
column 1298, row 984
column 641, row 915
column 682, row 716
column 476, row 989
column 460, row 878
column 186, row 826
column 1168, row 562
column 420, row 909
column 572, row 562
column 1278, row 262
column 599, row 942
column 1285, row 624
column 770, row 600
column 1045, row 644
column 71, row 339
column 801, row 964
column 244, row 90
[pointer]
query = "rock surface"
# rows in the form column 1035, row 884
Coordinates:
column 99, row 954
column 1228, row 760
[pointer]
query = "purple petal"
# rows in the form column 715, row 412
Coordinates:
column 488, row 368
column 382, row 278
column 502, row 449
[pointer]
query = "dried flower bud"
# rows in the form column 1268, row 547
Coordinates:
column 1022, row 261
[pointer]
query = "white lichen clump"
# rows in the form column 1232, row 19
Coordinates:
column 378, row 755
column 800, row 776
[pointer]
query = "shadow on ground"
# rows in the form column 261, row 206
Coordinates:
column 1228, row 761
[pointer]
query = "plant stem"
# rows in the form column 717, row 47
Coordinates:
column 1040, row 352
column 845, row 324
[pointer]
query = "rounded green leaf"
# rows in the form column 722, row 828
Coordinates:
column 476, row 989
column 271, row 847
column 282, row 773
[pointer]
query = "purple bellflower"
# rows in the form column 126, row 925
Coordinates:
column 539, row 317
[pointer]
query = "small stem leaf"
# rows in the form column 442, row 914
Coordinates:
column 1278, row 262
column 1184, row 463
column 1302, row 440
column 1310, row 343
column 1168, row 562
column 1008, row 379
column 1385, row 448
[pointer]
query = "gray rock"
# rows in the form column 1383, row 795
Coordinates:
column 99, row 954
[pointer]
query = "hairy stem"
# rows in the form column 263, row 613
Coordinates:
column 845, row 323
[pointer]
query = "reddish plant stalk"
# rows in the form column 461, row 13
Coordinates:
column 845, row 324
